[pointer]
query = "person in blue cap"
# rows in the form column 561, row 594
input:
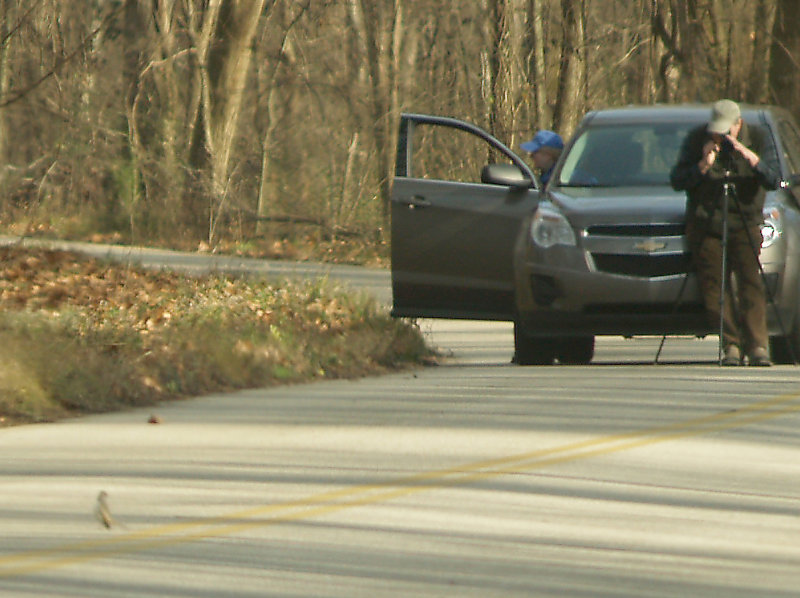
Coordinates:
column 545, row 148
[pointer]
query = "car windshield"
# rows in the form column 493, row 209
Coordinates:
column 624, row 155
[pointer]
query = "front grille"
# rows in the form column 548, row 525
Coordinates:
column 637, row 230
column 643, row 266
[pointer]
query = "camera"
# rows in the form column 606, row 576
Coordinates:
column 726, row 153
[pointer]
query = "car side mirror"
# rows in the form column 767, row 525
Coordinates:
column 507, row 175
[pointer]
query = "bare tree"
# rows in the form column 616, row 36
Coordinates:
column 763, row 24
column 493, row 90
column 7, row 18
column 571, row 68
column 382, row 28
column 152, row 113
column 224, row 52
column 537, row 70
column 785, row 58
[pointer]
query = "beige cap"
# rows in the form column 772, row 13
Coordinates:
column 724, row 114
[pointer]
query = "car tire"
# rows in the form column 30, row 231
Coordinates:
column 575, row 350
column 532, row 350
column 785, row 350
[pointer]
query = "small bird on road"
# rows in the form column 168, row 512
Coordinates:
column 102, row 512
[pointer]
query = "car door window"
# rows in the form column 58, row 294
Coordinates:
column 448, row 154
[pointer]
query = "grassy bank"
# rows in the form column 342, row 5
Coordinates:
column 79, row 335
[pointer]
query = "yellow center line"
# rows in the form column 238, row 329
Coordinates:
column 366, row 494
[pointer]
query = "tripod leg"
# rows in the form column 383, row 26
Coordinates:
column 723, row 271
column 674, row 311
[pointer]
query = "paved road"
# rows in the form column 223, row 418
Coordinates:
column 474, row 478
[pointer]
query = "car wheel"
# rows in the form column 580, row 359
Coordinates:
column 575, row 350
column 532, row 350
column 785, row 350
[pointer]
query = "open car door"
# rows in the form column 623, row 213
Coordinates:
column 455, row 220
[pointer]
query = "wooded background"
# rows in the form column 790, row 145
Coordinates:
column 214, row 119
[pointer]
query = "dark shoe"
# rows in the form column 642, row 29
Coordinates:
column 759, row 357
column 732, row 356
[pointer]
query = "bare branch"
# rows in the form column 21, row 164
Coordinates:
column 62, row 61
column 20, row 22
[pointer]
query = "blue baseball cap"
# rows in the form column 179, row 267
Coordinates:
column 543, row 139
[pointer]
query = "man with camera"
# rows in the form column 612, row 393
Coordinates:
column 720, row 163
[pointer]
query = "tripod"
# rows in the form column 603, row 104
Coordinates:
column 727, row 192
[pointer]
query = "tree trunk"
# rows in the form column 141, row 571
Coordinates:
column 569, row 74
column 133, row 29
column 492, row 84
column 690, row 35
column 267, row 189
column 369, row 16
column 784, row 68
column 202, row 25
column 583, row 71
column 228, row 67
column 168, row 86
column 763, row 24
column 225, row 53
column 7, row 17
column 642, row 47
column 537, row 71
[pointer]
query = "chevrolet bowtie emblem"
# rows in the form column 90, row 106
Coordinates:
column 650, row 245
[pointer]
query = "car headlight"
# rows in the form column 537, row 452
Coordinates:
column 549, row 228
column 772, row 228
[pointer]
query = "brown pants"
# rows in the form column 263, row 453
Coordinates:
column 746, row 295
